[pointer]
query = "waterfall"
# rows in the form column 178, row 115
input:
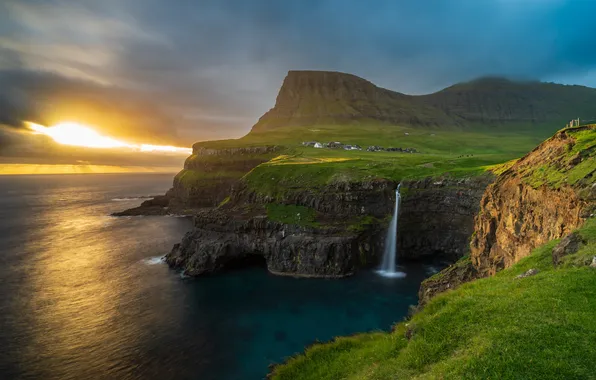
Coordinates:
column 389, row 266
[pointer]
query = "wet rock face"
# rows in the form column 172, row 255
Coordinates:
column 219, row 242
column 437, row 217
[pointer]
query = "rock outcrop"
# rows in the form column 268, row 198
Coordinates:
column 569, row 245
column 241, row 232
column 220, row 241
column 516, row 215
column 449, row 278
column 543, row 196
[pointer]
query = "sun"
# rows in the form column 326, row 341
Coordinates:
column 78, row 135
column 75, row 134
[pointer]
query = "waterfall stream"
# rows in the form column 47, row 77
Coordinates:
column 389, row 265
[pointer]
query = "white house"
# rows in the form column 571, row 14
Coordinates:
column 318, row 145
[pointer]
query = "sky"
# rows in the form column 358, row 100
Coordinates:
column 182, row 71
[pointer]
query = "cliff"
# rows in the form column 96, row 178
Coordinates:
column 542, row 197
column 333, row 230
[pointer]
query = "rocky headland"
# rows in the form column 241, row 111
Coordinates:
column 543, row 196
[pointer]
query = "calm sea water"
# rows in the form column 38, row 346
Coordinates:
column 85, row 296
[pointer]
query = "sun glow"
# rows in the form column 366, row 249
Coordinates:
column 75, row 134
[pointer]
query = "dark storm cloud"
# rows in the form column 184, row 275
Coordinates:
column 207, row 69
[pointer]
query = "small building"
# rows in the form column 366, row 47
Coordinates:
column 335, row 144
column 318, row 145
column 309, row 143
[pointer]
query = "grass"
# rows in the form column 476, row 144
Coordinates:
column 292, row 214
column 194, row 178
column 294, row 168
column 451, row 152
column 539, row 327
column 500, row 139
column 566, row 172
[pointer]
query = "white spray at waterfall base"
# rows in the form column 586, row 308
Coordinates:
column 389, row 265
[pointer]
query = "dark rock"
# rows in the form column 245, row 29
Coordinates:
column 569, row 245
column 154, row 206
column 220, row 241
column 450, row 278
column 437, row 217
column 528, row 273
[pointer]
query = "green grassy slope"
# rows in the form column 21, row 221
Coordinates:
column 457, row 153
column 539, row 327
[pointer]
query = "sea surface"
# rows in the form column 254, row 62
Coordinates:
column 84, row 295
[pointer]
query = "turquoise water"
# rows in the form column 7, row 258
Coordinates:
column 85, row 295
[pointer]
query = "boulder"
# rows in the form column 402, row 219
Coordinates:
column 569, row 245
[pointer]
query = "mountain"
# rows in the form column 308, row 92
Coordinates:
column 321, row 97
column 499, row 100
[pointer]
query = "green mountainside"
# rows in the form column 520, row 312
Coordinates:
column 318, row 97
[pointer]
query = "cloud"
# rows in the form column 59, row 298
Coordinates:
column 187, row 70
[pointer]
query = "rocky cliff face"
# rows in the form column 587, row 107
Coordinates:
column 242, row 232
column 517, row 215
column 220, row 241
column 351, row 222
column 543, row 196
column 437, row 216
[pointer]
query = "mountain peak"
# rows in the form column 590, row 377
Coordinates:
column 328, row 97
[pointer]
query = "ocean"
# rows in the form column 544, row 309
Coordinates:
column 87, row 296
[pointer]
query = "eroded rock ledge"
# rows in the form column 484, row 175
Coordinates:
column 220, row 241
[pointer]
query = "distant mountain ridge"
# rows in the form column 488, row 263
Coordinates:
column 325, row 97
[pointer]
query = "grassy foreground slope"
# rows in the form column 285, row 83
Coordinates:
column 503, row 327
